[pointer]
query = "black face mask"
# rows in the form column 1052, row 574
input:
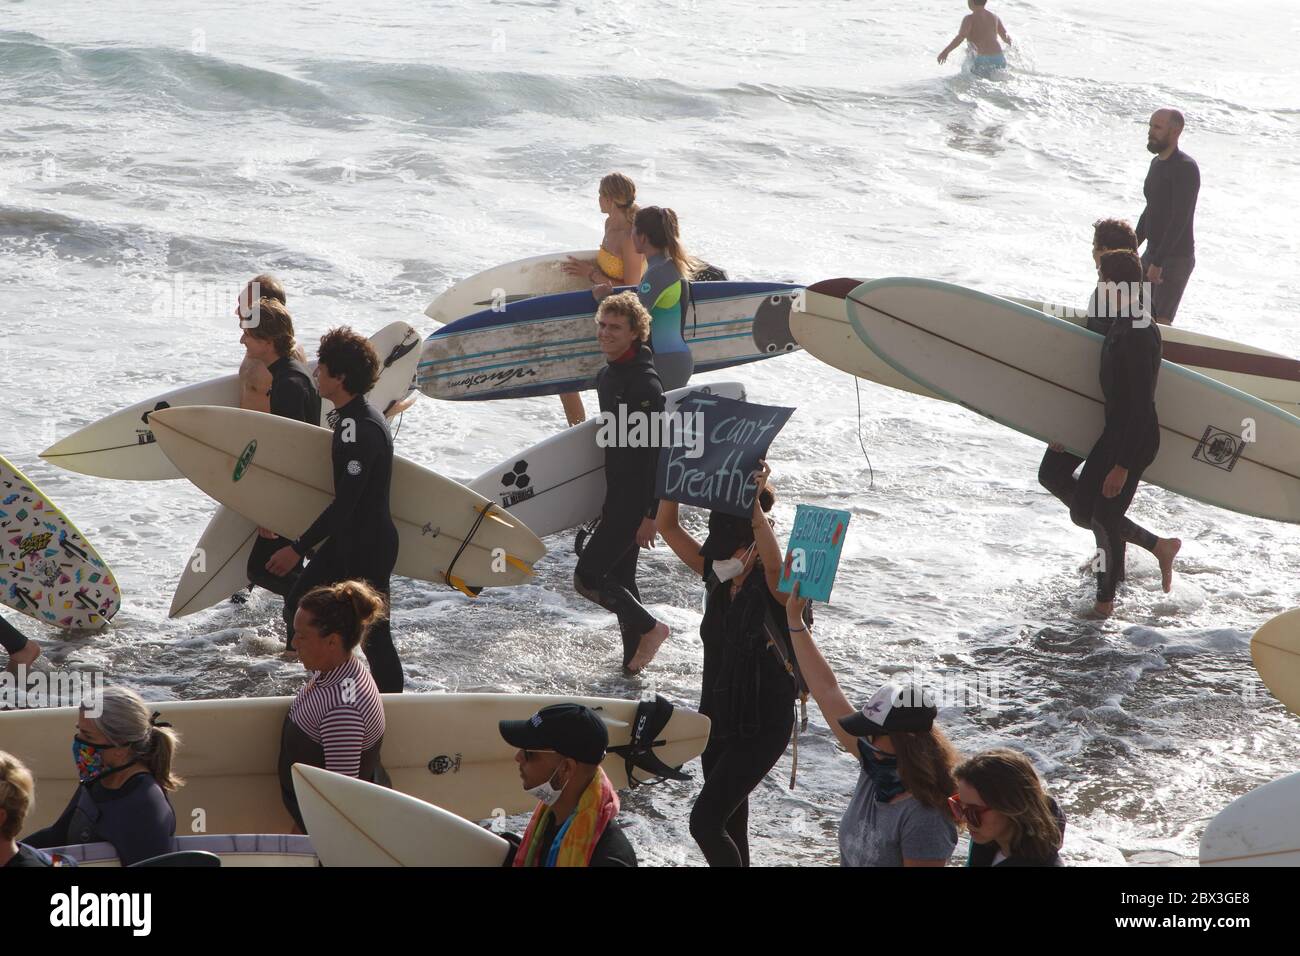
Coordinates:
column 882, row 768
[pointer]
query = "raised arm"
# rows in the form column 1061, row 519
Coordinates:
column 962, row 35
column 679, row 539
column 769, row 548
column 817, row 673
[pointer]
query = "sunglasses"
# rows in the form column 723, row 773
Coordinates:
column 972, row 814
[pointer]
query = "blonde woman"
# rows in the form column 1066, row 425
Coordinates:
column 617, row 262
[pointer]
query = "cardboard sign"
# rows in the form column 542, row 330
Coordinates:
column 813, row 555
column 735, row 436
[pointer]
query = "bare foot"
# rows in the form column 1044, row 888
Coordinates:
column 1166, row 551
column 651, row 641
column 31, row 650
column 1102, row 610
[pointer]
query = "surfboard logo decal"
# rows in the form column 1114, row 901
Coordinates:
column 445, row 764
column 245, row 460
column 1219, row 448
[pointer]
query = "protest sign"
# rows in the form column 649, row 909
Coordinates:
column 813, row 555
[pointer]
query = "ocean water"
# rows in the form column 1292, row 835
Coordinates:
column 371, row 154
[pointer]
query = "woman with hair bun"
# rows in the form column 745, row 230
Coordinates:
column 1012, row 821
column 337, row 720
column 124, row 758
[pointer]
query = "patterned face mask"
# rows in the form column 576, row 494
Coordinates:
column 89, row 758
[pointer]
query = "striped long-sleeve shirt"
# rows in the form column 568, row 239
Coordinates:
column 341, row 710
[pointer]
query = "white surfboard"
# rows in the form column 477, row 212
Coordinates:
column 821, row 325
column 1261, row 828
column 1038, row 375
column 278, row 474
column 506, row 283
column 48, row 571
column 234, row 849
column 122, row 445
column 559, row 483
column 353, row 822
column 1275, row 649
column 217, row 566
column 442, row 748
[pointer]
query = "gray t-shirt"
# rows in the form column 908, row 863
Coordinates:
column 884, row 834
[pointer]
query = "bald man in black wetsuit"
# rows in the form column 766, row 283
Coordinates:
column 1172, row 185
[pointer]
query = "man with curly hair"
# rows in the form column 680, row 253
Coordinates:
column 360, row 539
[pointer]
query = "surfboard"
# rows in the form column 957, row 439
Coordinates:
column 1275, row 649
column 1260, row 828
column 235, row 850
column 355, row 823
column 507, row 283
column 547, row 345
column 559, row 483
column 217, row 565
column 48, row 570
column 1038, row 374
column 821, row 325
column 278, row 474
column 122, row 445
column 442, row 748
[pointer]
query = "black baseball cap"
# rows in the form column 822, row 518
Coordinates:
column 569, row 729
column 893, row 708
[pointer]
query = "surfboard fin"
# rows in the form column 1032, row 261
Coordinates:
column 520, row 564
column 651, row 717
column 462, row 587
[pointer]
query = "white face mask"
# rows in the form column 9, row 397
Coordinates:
column 730, row 568
column 545, row 791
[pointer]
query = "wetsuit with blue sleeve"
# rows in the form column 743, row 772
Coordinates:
column 663, row 292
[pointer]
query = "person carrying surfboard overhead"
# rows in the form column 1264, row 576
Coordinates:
column 663, row 292
column 360, row 539
column 1056, row 472
column 750, row 683
column 560, row 751
column 337, row 720
column 22, row 650
column 617, row 262
column 1130, row 438
column 628, row 385
column 268, row 340
column 981, row 29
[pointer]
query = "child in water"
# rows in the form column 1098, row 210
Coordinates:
column 981, row 29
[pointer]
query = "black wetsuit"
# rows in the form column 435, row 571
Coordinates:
column 293, row 395
column 1130, row 365
column 606, row 571
column 1166, row 225
column 359, row 525
column 137, row 818
column 11, row 639
column 1056, row 472
column 748, row 695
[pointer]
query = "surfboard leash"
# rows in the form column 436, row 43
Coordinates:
column 857, row 391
